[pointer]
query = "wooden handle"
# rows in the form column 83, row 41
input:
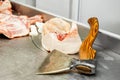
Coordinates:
column 86, row 51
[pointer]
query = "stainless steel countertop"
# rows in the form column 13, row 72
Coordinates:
column 20, row 59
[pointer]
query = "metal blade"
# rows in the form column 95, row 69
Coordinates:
column 55, row 62
column 36, row 40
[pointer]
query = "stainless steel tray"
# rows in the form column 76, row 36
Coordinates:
column 20, row 58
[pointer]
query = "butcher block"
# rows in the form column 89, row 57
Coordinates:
column 20, row 57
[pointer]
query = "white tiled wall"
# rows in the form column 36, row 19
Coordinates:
column 59, row 7
column 107, row 11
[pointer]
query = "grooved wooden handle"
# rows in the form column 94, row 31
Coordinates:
column 86, row 51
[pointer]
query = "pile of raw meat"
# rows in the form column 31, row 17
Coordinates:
column 12, row 25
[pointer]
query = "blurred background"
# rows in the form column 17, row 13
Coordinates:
column 107, row 11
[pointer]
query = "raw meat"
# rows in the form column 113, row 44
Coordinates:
column 5, row 7
column 12, row 25
column 16, row 26
column 58, row 34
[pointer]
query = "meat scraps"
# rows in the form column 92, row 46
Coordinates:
column 15, row 26
column 12, row 25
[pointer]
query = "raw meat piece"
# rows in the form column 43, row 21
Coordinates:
column 5, row 7
column 57, row 34
column 15, row 26
column 12, row 26
column 34, row 19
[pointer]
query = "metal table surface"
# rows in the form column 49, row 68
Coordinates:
column 20, row 59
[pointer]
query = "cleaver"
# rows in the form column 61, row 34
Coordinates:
column 58, row 62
